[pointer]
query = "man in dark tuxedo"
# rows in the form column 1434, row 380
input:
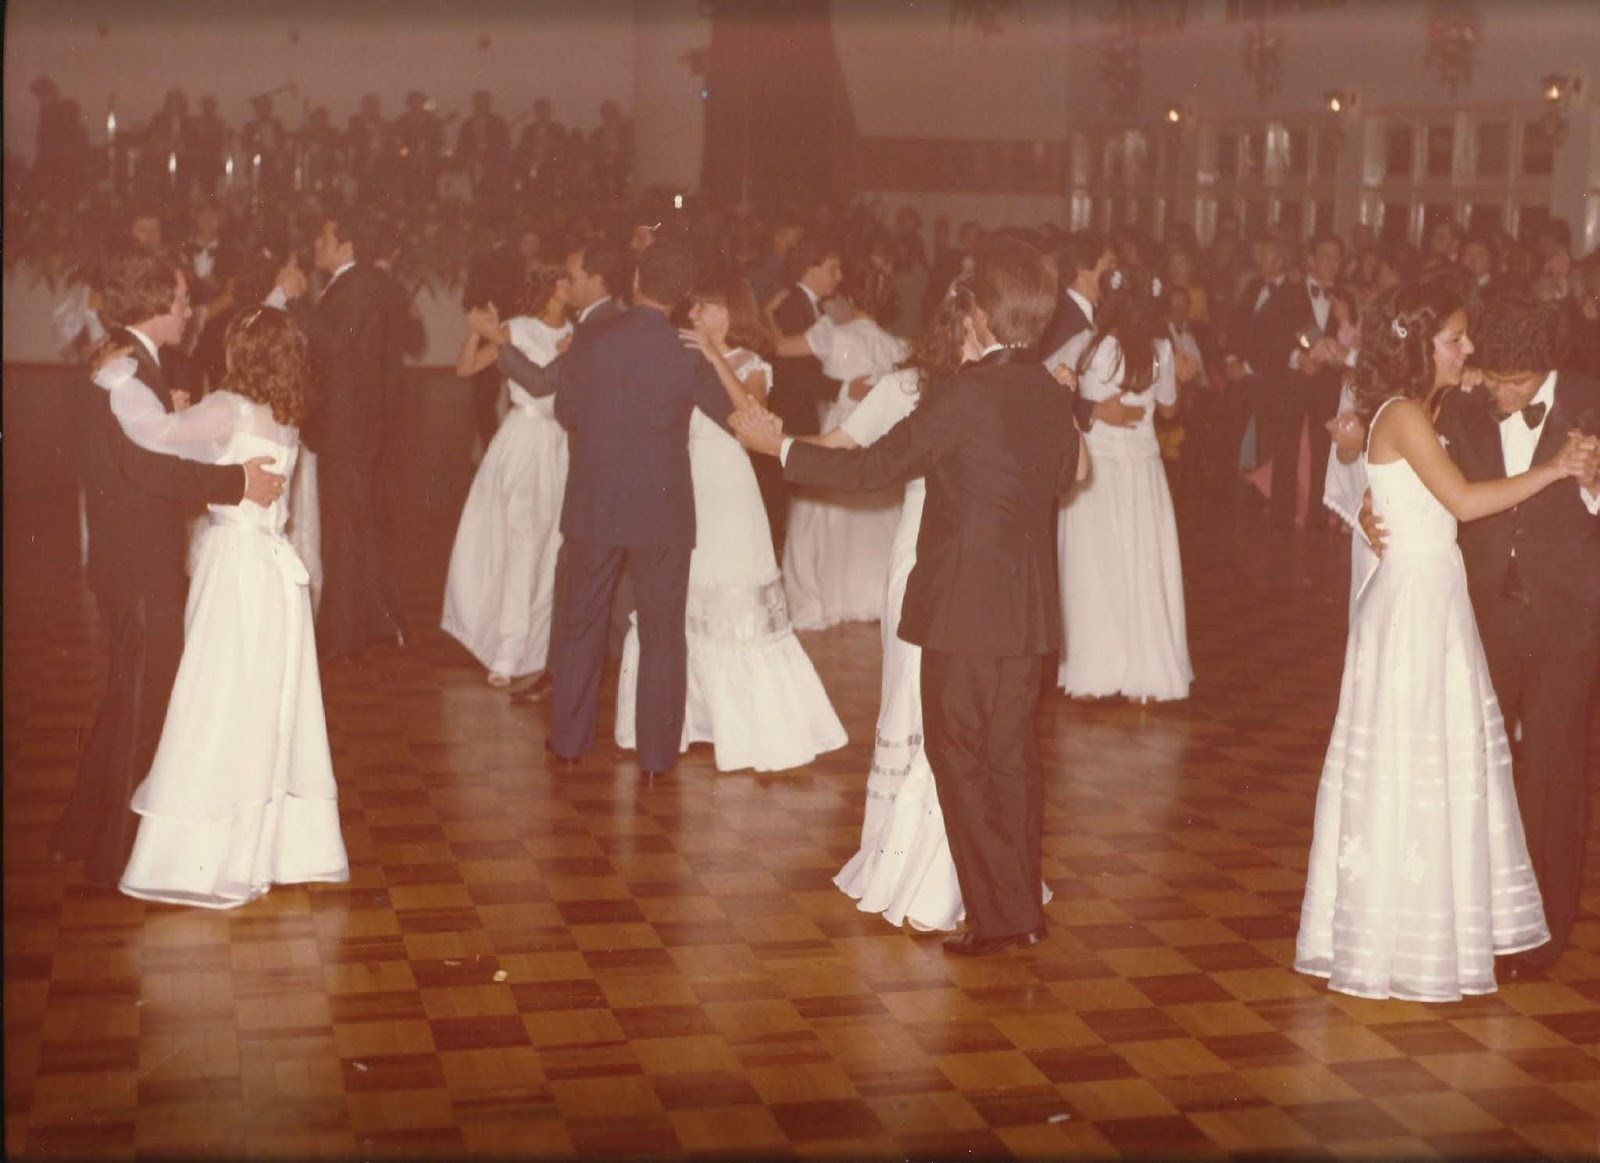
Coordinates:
column 799, row 386
column 1243, row 392
column 355, row 365
column 594, row 280
column 137, row 506
column 1302, row 376
column 1085, row 257
column 625, row 394
column 998, row 445
column 1534, row 576
column 1080, row 264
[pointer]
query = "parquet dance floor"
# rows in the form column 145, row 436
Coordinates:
column 530, row 962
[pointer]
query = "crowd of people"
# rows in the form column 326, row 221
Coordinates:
column 194, row 154
column 1042, row 397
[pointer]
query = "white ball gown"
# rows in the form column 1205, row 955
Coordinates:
column 241, row 795
column 1121, row 576
column 836, row 546
column 499, row 593
column 1419, row 872
column 903, row 868
column 753, row 694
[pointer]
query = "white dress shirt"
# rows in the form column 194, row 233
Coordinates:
column 1083, row 303
column 1518, row 441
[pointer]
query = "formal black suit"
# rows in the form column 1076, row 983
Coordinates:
column 540, row 382
column 997, row 444
column 356, row 369
column 1069, row 320
column 1241, row 337
column 625, row 394
column 1534, row 576
column 1293, row 399
column 138, row 503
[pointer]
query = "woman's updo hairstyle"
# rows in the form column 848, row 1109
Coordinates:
column 1397, row 332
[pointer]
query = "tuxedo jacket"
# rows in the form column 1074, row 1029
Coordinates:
column 1556, row 538
column 540, row 382
column 355, row 364
column 799, row 387
column 138, row 502
column 1068, row 321
column 1286, row 314
column 997, row 445
column 625, row 394
column 1243, row 336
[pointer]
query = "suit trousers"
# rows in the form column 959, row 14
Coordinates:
column 979, row 733
column 359, row 605
column 145, row 635
column 1299, row 400
column 1543, row 676
column 590, row 572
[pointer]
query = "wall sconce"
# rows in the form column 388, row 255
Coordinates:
column 1176, row 114
column 1559, row 91
column 1339, row 101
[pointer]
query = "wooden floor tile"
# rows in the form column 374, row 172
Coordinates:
column 542, row 963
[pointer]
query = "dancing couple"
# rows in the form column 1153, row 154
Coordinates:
column 997, row 444
column 657, row 486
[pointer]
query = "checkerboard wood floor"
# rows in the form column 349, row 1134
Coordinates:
column 530, row 962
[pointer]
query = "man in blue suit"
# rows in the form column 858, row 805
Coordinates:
column 625, row 394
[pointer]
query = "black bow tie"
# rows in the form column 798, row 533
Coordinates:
column 1532, row 415
column 1316, row 290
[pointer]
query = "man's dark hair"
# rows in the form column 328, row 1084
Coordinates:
column 1016, row 289
column 359, row 233
column 1081, row 252
column 811, row 251
column 666, row 273
column 1321, row 237
column 1517, row 333
column 140, row 284
column 603, row 259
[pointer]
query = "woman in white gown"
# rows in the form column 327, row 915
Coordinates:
column 1419, row 873
column 752, row 692
column 836, row 545
column 1121, row 578
column 241, row 794
column 500, row 591
column 903, row 868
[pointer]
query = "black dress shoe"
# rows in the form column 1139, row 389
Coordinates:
column 535, row 690
column 967, row 945
column 563, row 760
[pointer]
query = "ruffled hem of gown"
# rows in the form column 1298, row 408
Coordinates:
column 758, row 703
column 227, row 862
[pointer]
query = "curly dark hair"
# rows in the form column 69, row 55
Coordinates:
column 140, row 284
column 1131, row 313
column 1519, row 334
column 1397, row 333
column 936, row 352
column 267, row 363
column 539, row 286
